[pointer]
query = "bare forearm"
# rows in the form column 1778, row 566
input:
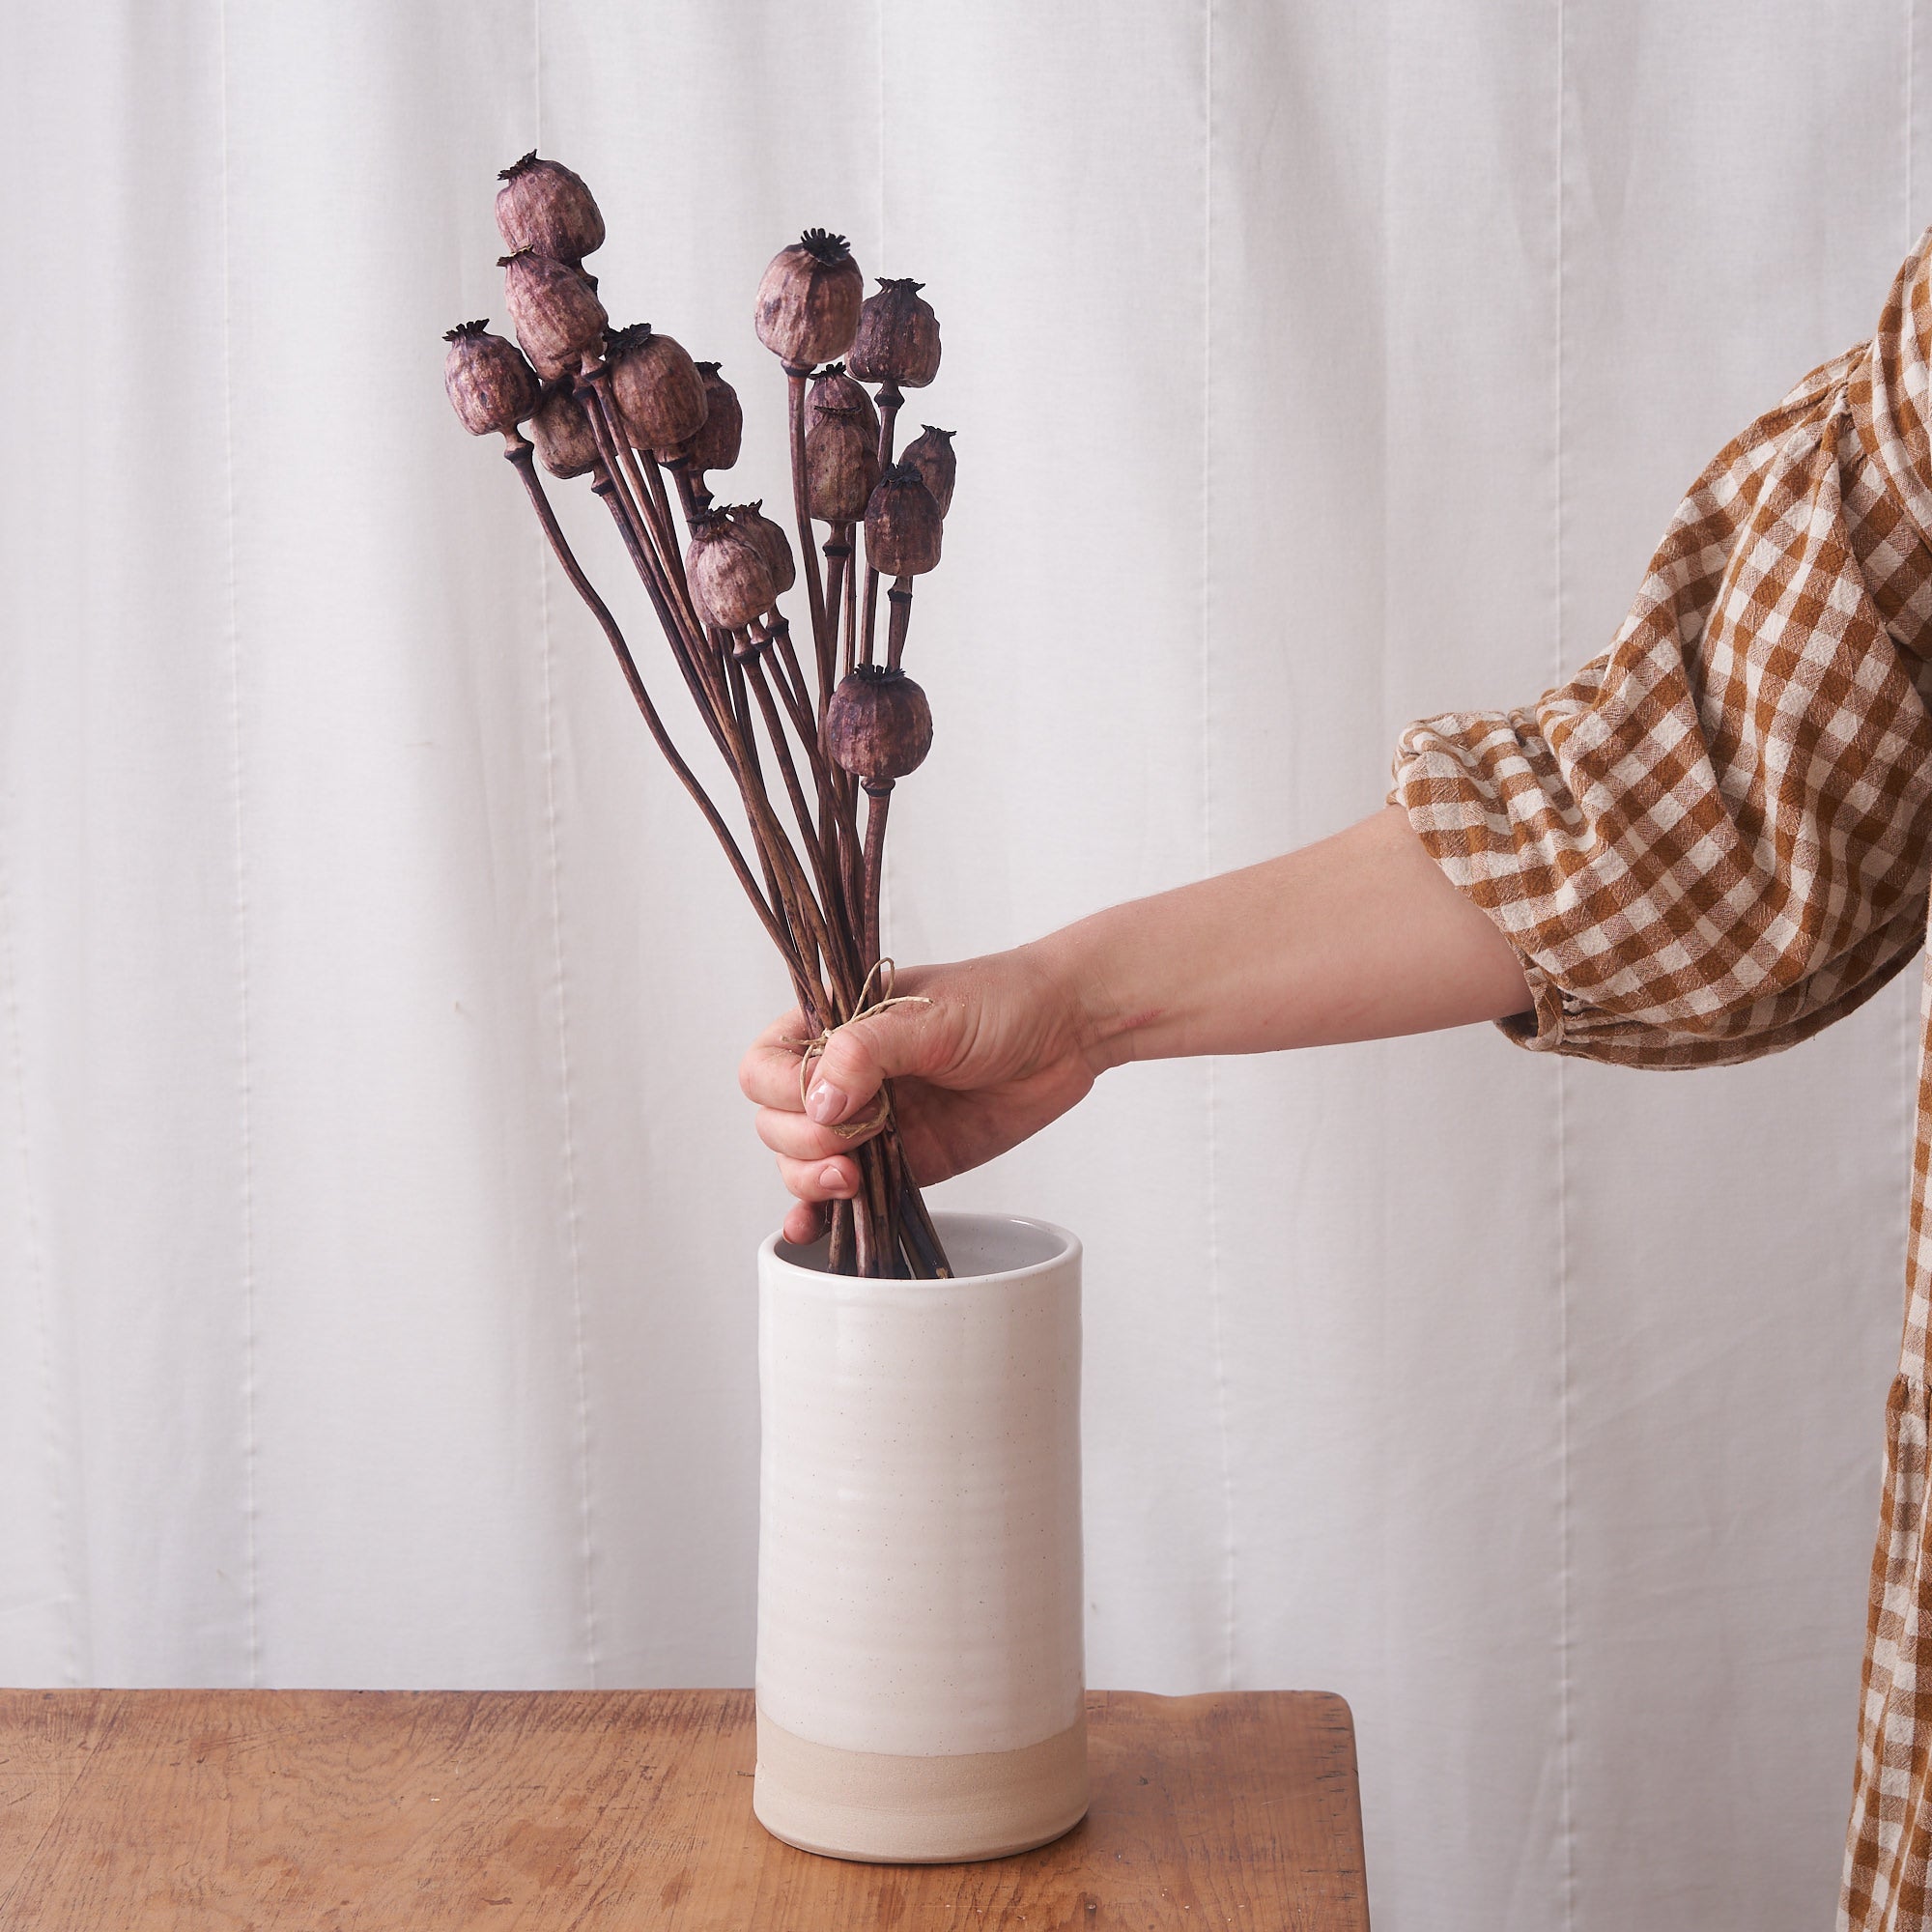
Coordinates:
column 1356, row 937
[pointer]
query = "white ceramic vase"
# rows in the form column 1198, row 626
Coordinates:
column 921, row 1671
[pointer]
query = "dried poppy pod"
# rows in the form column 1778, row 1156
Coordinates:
column 658, row 389
column 809, row 300
column 931, row 455
column 902, row 524
column 832, row 390
column 841, row 465
column 566, row 444
column 558, row 317
column 773, row 544
column 544, row 206
column 731, row 578
column 716, row 445
column 878, row 725
column 489, row 384
column 897, row 339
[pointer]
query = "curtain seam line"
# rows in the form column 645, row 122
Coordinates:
column 1566, row 1529
column 573, row 1206
column 245, row 1005
column 1216, row 1295
column 36, row 1266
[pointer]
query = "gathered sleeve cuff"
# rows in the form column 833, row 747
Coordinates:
column 1715, row 839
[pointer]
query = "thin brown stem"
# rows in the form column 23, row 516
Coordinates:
column 895, row 1186
column 900, row 598
column 782, row 870
column 837, row 567
column 692, row 490
column 871, row 629
column 775, row 631
column 673, row 550
column 751, row 787
column 878, row 802
column 659, row 560
column 830, row 856
column 613, row 446
column 694, row 675
column 871, row 1167
column 889, row 400
column 800, row 504
column 941, row 1265
column 851, row 627
column 772, row 838
column 688, row 648
column 656, row 512
column 521, row 456
column 861, row 1224
column 843, row 969
column 891, row 397
column 704, row 656
column 681, row 628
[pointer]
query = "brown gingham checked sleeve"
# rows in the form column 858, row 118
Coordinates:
column 1716, row 840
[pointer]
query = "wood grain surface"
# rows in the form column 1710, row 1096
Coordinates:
column 524, row 1812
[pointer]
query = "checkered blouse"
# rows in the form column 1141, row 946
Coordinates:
column 1716, row 838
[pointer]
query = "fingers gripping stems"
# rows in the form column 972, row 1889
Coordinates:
column 825, row 1103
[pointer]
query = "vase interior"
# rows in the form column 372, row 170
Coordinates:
column 979, row 1246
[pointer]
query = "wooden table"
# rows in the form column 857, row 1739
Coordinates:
column 413, row 1811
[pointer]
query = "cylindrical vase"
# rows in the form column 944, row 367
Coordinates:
column 921, row 1680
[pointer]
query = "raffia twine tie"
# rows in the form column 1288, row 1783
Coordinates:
column 884, row 972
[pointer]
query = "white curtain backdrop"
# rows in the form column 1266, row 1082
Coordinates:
column 376, row 1208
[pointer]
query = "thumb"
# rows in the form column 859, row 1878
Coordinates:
column 862, row 1054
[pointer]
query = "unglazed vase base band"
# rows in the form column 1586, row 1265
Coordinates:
column 883, row 1809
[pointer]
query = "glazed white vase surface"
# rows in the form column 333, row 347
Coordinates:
column 920, row 1584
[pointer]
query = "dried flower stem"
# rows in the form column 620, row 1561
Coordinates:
column 840, row 875
column 871, row 1172
column 823, row 838
column 863, row 1246
column 701, row 695
column 801, row 502
column 900, row 598
column 702, row 661
column 692, row 489
column 681, row 630
column 652, row 542
column 655, row 519
column 660, row 504
column 804, row 710
column 520, row 454
column 845, row 970
column 772, row 634
column 851, row 604
column 838, row 564
column 731, row 722
column 813, row 942
column 878, row 802
column 920, row 1220
column 889, row 400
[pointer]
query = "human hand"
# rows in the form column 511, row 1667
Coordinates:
column 1002, row 1046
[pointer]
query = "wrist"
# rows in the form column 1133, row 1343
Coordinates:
column 1074, row 962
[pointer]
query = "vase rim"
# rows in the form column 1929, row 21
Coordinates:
column 778, row 1252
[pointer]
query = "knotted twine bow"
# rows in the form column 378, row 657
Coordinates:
column 884, row 972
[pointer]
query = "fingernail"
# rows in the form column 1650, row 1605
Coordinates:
column 832, row 1180
column 825, row 1103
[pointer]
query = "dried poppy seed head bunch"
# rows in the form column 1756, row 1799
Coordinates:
column 803, row 733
